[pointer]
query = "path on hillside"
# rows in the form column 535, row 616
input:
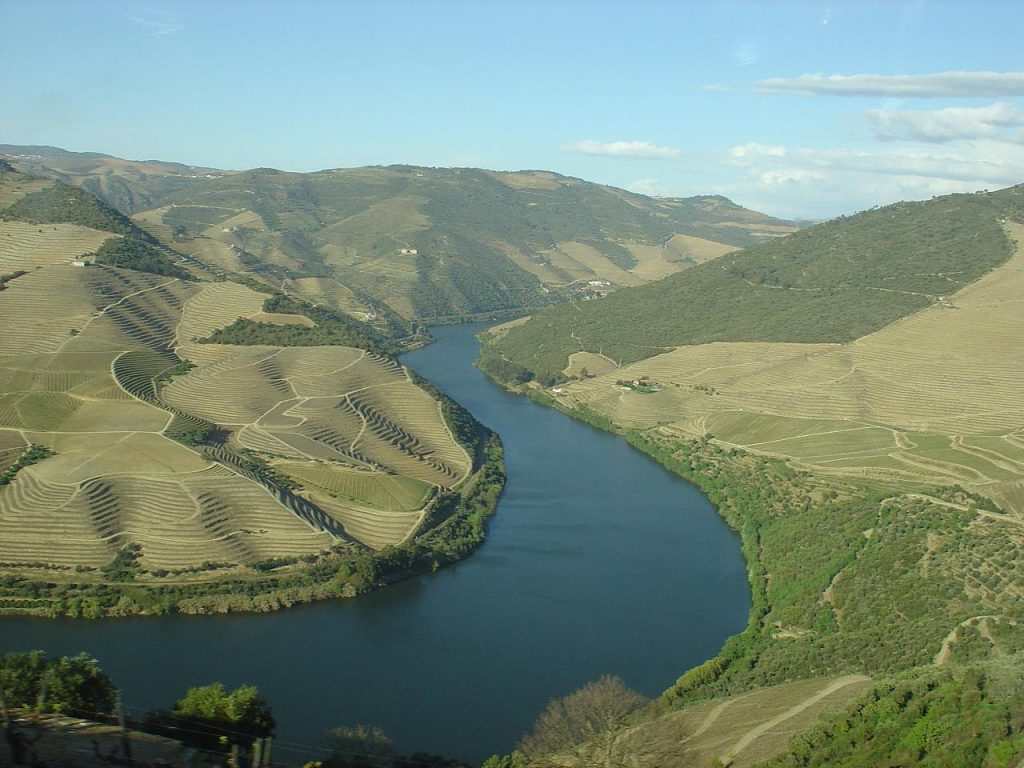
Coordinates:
column 755, row 733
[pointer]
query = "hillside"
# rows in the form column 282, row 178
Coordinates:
column 127, row 185
column 849, row 399
column 173, row 443
column 423, row 244
column 831, row 283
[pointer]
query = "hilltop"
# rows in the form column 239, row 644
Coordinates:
column 418, row 244
column 832, row 282
column 173, row 440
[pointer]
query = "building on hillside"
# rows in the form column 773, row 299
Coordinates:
column 407, row 251
column 79, row 263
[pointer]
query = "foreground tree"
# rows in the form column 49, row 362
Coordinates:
column 214, row 718
column 592, row 714
column 73, row 685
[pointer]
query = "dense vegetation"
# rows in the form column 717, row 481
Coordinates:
column 465, row 224
column 72, row 685
column 332, row 327
column 969, row 716
column 834, row 282
column 135, row 253
column 61, row 203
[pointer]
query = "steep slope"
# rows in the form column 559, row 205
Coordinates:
column 128, row 185
column 833, row 282
column 435, row 244
column 429, row 244
column 849, row 399
column 174, row 438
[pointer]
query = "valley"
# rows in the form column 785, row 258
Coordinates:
column 203, row 410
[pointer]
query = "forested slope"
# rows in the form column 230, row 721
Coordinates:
column 833, row 282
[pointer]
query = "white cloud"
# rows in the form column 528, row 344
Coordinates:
column 985, row 163
column 951, row 124
column 811, row 182
column 642, row 149
column 952, row 84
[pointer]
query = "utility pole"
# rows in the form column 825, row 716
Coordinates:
column 266, row 752
column 257, row 757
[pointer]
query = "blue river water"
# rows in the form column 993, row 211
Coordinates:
column 597, row 562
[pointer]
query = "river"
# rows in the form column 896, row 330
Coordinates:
column 597, row 562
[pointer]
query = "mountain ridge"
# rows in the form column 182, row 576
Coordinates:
column 428, row 244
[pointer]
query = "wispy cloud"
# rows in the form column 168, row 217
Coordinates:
column 158, row 23
column 745, row 54
column 820, row 182
column 996, row 121
column 982, row 163
column 642, row 149
column 949, row 84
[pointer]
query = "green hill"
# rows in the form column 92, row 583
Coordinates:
column 833, row 282
column 143, row 378
column 59, row 203
column 430, row 244
column 127, row 185
column 858, row 424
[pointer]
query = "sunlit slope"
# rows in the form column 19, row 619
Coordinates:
column 128, row 185
column 934, row 398
column 364, row 442
column 833, row 282
column 425, row 243
column 91, row 370
column 433, row 243
column 27, row 246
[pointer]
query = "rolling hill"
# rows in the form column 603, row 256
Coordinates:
column 413, row 243
column 849, row 398
column 166, row 440
column 831, row 283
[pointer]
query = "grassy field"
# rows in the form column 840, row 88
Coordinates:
column 932, row 399
column 739, row 731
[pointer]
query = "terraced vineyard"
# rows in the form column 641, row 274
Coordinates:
column 932, row 399
column 27, row 246
column 174, row 459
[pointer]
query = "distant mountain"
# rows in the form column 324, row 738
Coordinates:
column 430, row 244
column 833, row 282
column 128, row 185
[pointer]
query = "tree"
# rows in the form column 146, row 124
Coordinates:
column 220, row 718
column 593, row 713
column 78, row 686
column 70, row 684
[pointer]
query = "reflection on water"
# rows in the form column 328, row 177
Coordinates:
column 598, row 562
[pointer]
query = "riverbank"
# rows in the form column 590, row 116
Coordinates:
column 454, row 524
column 834, row 566
column 598, row 561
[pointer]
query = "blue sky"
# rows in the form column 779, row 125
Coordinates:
column 801, row 109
